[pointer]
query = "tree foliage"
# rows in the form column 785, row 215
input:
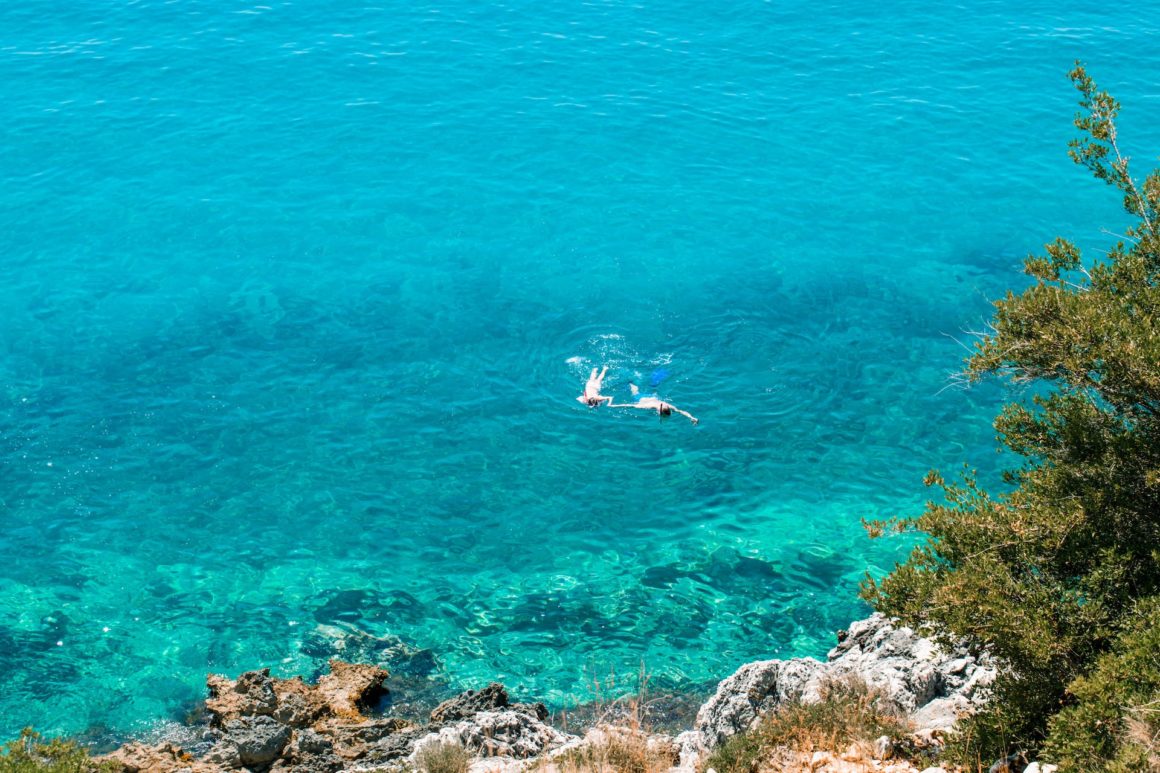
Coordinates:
column 1050, row 574
column 33, row 754
column 1114, row 722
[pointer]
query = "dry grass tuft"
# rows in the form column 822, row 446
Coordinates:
column 615, row 749
column 850, row 713
column 620, row 741
column 443, row 757
column 1143, row 729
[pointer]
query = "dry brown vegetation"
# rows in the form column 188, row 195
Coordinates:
column 620, row 740
column 1143, row 730
column 443, row 757
column 849, row 714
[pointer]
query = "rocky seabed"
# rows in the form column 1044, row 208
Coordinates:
column 267, row 725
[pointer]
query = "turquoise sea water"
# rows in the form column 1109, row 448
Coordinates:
column 296, row 299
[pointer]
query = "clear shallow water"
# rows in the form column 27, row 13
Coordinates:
column 296, row 300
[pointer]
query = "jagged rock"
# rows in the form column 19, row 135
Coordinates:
column 300, row 704
column 284, row 724
column 932, row 685
column 350, row 686
column 508, row 734
column 354, row 740
column 288, row 726
column 752, row 690
column 224, row 754
column 293, row 709
column 927, row 738
column 162, row 758
column 340, row 694
column 252, row 694
column 309, row 765
column 308, row 742
column 537, row 710
column 308, row 752
column 259, row 739
column 503, row 733
column 470, row 703
column 693, row 745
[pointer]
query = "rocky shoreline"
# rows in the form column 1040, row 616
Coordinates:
column 267, row 725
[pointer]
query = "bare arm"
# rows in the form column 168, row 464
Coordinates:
column 688, row 415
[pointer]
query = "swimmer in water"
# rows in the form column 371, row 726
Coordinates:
column 662, row 408
column 592, row 396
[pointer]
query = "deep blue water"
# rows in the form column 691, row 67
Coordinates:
column 295, row 301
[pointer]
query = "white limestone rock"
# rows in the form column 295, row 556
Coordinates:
column 933, row 686
column 504, row 733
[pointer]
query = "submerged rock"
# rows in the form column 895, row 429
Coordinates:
column 353, row 645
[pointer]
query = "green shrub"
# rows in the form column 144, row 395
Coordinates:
column 31, row 754
column 1114, row 722
column 742, row 753
column 1048, row 574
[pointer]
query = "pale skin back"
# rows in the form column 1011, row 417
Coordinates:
column 592, row 394
column 653, row 404
column 593, row 398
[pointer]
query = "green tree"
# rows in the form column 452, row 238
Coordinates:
column 1049, row 574
column 1114, row 721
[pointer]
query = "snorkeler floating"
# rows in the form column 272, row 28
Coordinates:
column 653, row 403
column 593, row 398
